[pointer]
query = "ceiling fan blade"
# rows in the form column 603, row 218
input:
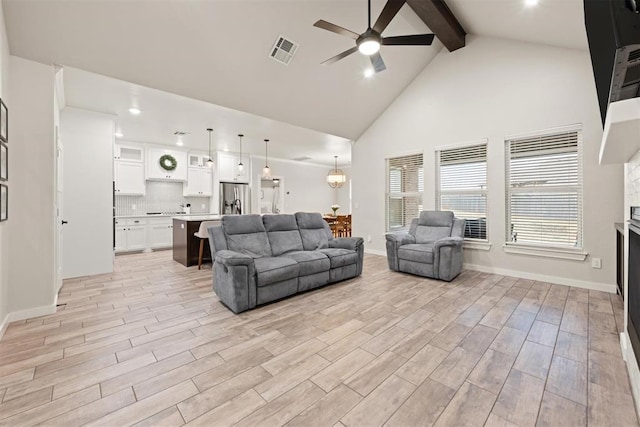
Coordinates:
column 340, row 56
column 336, row 29
column 414, row 40
column 377, row 62
column 388, row 13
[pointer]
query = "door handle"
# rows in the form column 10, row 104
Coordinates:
column 64, row 222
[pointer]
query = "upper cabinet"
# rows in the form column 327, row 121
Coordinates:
column 200, row 182
column 131, row 153
column 128, row 168
column 198, row 160
column 228, row 170
column 166, row 164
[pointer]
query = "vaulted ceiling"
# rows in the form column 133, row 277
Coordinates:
column 217, row 51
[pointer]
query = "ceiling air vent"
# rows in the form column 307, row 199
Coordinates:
column 302, row 159
column 283, row 50
column 181, row 133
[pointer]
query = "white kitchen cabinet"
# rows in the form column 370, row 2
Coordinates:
column 160, row 233
column 131, row 235
column 131, row 153
column 156, row 172
column 198, row 160
column 129, row 177
column 199, row 183
column 228, row 168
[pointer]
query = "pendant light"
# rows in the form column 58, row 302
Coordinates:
column 335, row 177
column 210, row 161
column 266, row 171
column 240, row 165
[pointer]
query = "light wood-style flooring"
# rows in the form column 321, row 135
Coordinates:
column 151, row 345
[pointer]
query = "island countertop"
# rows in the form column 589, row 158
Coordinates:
column 199, row 218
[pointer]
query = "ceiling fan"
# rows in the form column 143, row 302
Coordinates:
column 368, row 43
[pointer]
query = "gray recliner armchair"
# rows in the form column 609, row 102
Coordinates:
column 431, row 248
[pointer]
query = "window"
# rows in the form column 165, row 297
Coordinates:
column 462, row 186
column 544, row 190
column 405, row 185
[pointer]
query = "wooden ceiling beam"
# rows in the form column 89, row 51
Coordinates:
column 439, row 18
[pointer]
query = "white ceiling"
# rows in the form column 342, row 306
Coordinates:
column 217, row 51
column 164, row 113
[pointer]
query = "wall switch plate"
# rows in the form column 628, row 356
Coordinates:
column 369, row 238
column 203, row 206
column 133, row 207
column 596, row 262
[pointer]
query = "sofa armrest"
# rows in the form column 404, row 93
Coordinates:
column 346, row 243
column 234, row 280
column 447, row 258
column 394, row 241
column 400, row 238
column 231, row 258
column 352, row 243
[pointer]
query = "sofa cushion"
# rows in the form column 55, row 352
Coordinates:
column 340, row 257
column 310, row 262
column 314, row 230
column 283, row 234
column 433, row 225
column 416, row 252
column 275, row 269
column 246, row 234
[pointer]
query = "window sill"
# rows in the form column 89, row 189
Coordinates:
column 573, row 255
column 477, row 245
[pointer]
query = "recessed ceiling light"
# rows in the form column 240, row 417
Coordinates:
column 118, row 135
column 179, row 143
column 369, row 72
column 531, row 3
column 135, row 111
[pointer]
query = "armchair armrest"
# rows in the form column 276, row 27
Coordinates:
column 448, row 241
column 231, row 258
column 400, row 238
column 346, row 243
column 447, row 257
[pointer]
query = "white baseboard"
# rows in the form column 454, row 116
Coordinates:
column 375, row 252
column 632, row 367
column 25, row 314
column 611, row 288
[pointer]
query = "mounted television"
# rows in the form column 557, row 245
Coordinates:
column 613, row 32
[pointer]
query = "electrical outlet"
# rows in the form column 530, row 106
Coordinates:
column 133, row 207
column 369, row 238
column 596, row 262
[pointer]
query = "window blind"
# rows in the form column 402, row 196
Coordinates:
column 462, row 186
column 405, row 186
column 544, row 191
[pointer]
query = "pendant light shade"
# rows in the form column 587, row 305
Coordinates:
column 240, row 165
column 210, row 161
column 266, row 171
column 335, row 177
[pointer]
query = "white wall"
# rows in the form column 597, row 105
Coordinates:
column 4, row 226
column 87, row 140
column 305, row 185
column 32, row 269
column 490, row 89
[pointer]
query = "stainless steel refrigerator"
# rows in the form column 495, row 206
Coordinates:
column 234, row 199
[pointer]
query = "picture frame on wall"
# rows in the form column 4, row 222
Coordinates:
column 4, row 162
column 4, row 122
column 4, row 202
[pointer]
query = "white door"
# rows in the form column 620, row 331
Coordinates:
column 160, row 236
column 136, row 237
column 59, row 211
column 121, row 239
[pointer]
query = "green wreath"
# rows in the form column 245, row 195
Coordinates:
column 168, row 162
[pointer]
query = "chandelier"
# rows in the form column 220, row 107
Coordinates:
column 336, row 177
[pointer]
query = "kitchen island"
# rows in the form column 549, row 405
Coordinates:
column 185, row 244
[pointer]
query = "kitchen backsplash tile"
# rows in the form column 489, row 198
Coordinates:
column 161, row 197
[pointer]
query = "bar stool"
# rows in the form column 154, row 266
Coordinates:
column 203, row 234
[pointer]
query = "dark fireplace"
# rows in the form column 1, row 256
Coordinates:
column 634, row 281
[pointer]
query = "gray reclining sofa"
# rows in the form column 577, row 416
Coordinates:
column 258, row 259
column 432, row 247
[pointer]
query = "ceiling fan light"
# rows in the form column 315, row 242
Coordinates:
column 369, row 46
